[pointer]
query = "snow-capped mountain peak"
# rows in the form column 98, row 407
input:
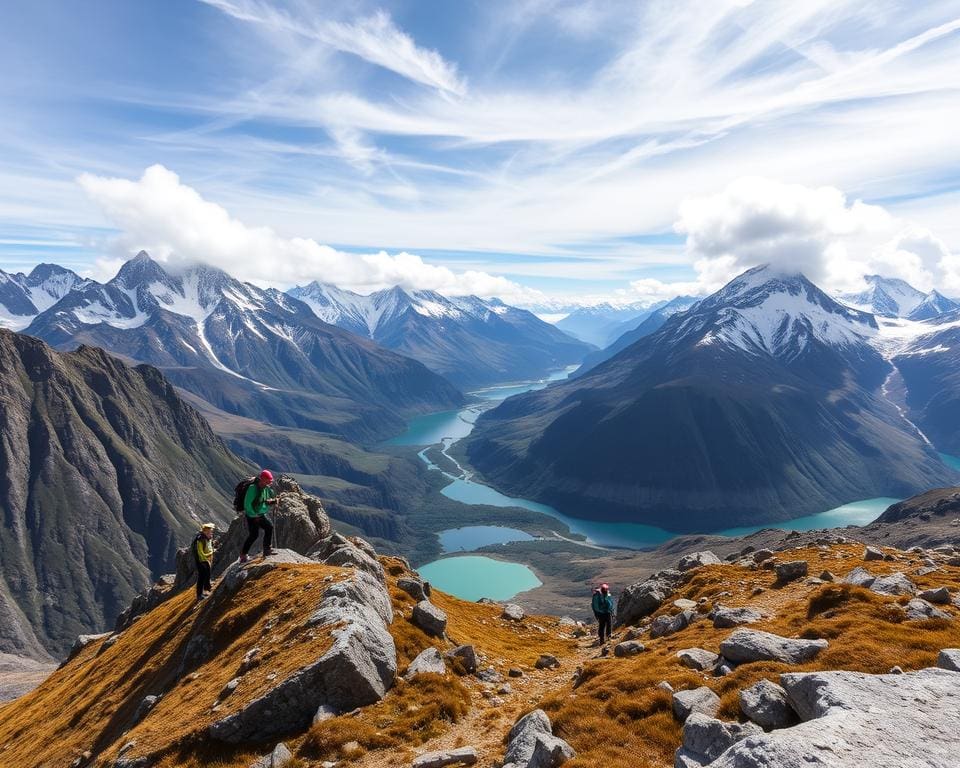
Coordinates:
column 765, row 311
column 886, row 296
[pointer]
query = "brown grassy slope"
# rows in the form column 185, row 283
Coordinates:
column 90, row 703
column 434, row 711
column 619, row 719
column 616, row 717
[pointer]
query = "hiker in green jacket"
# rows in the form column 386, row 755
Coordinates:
column 203, row 557
column 256, row 504
column 602, row 605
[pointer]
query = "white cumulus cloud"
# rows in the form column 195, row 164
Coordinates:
column 813, row 230
column 176, row 225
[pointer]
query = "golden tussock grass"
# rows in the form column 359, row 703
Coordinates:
column 90, row 703
column 618, row 718
column 411, row 714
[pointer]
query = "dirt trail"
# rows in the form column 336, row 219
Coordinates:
column 492, row 714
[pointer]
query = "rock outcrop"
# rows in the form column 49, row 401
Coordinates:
column 766, row 704
column 706, row 738
column 701, row 700
column 531, row 744
column 855, row 720
column 358, row 669
column 644, row 597
column 746, row 645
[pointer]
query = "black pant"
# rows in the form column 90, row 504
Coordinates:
column 254, row 524
column 203, row 578
column 603, row 619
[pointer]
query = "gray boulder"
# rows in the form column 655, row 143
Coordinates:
column 766, row 704
column 278, row 758
column 698, row 658
column 466, row 655
column 644, row 597
column 531, row 743
column 918, row 610
column 726, row 618
column 428, row 661
column 706, row 738
column 872, row 553
column 460, row 756
column 512, row 612
column 669, row 625
column 940, row 596
column 856, row 720
column 413, row 587
column 698, row 559
column 791, row 571
column 701, row 700
column 762, row 554
column 336, row 549
column 430, row 618
column 893, row 584
column 546, row 661
column 746, row 645
column 358, row 669
column 628, row 648
column 949, row 658
column 860, row 577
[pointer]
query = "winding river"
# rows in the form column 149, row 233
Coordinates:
column 463, row 575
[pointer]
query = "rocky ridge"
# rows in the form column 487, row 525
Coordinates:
column 298, row 660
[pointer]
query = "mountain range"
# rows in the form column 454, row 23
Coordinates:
column 256, row 353
column 106, row 472
column 634, row 330
column 604, row 323
column 892, row 297
column 472, row 342
column 762, row 402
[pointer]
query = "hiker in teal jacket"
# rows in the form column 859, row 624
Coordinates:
column 256, row 505
column 602, row 605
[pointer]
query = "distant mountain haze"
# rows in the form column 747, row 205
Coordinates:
column 257, row 353
column 762, row 402
column 635, row 330
column 106, row 473
column 598, row 325
column 892, row 297
column 472, row 342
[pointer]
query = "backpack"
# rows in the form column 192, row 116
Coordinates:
column 240, row 493
column 196, row 556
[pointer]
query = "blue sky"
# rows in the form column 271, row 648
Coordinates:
column 530, row 149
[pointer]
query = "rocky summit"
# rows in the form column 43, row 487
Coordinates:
column 333, row 655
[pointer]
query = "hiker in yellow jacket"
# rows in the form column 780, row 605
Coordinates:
column 203, row 557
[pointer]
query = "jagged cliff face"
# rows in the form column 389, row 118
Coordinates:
column 106, row 471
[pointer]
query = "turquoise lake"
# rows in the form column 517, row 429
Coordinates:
column 472, row 537
column 471, row 577
column 448, row 427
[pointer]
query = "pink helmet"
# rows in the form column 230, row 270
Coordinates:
column 266, row 476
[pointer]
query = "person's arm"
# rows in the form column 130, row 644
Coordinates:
column 248, row 501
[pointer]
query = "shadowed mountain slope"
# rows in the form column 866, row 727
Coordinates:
column 761, row 403
column 106, row 472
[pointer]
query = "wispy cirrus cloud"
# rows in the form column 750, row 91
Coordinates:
column 584, row 127
column 374, row 38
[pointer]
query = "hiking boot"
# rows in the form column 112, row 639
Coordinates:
column 203, row 596
column 269, row 552
column 243, row 559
